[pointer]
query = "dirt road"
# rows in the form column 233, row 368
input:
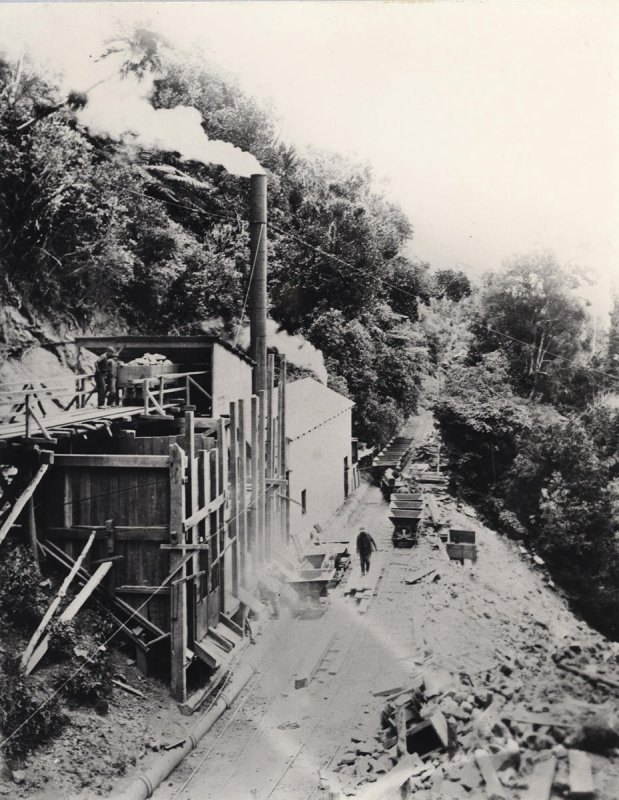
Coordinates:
column 495, row 622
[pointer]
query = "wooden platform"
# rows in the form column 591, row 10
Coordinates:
column 66, row 419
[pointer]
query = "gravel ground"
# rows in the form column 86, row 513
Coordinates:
column 495, row 622
column 487, row 629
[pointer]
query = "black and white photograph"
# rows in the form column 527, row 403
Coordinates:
column 309, row 400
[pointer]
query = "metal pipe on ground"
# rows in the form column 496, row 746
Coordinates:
column 145, row 784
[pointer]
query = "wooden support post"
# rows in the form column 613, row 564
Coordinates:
column 110, row 547
column 221, row 485
column 67, row 507
column 21, row 501
column 283, row 460
column 269, row 459
column 178, row 594
column 192, row 503
column 262, row 399
column 70, row 611
column 234, row 498
column 203, row 558
column 253, row 530
column 56, row 602
column 32, row 534
column 242, row 495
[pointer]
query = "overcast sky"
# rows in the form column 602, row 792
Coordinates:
column 495, row 123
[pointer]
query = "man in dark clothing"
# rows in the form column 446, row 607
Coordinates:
column 365, row 545
column 105, row 371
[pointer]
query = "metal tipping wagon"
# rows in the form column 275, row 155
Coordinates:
column 405, row 512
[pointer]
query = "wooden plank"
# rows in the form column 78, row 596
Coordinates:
column 85, row 592
column 113, row 461
column 70, row 611
column 130, row 689
column 234, row 498
column 251, row 602
column 22, row 500
column 191, row 534
column 214, row 656
column 204, row 512
column 261, row 475
column 312, row 661
column 580, row 775
column 252, row 521
column 242, row 512
column 83, row 575
column 540, row 780
column 153, row 533
column 55, row 602
column 178, row 605
column 494, row 788
column 31, row 525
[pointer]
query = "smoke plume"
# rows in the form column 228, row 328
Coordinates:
column 120, row 109
column 295, row 347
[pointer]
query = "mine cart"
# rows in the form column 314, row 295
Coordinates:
column 405, row 522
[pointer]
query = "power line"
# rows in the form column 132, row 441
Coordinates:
column 121, row 627
column 251, row 275
column 399, row 289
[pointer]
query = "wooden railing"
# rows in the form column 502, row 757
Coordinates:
column 158, row 394
column 34, row 405
column 30, row 403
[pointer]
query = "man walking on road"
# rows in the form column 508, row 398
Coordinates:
column 365, row 545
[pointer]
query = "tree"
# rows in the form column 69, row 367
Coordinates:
column 530, row 312
column 452, row 284
column 612, row 355
column 480, row 418
column 408, row 285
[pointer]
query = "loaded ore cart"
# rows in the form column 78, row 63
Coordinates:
column 405, row 513
column 392, row 457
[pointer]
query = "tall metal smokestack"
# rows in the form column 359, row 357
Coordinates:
column 258, row 287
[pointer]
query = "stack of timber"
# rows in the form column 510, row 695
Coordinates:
column 430, row 481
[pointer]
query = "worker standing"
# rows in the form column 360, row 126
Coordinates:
column 112, row 378
column 365, row 545
column 105, row 376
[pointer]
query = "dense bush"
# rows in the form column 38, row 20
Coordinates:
column 92, row 226
column 20, row 698
column 21, row 598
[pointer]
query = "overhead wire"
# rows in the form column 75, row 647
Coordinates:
column 325, row 254
column 251, row 275
column 402, row 291
column 119, row 629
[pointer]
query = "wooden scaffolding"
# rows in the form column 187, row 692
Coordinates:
column 187, row 518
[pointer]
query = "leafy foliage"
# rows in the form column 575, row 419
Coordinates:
column 89, row 227
column 20, row 697
column 529, row 311
column 21, row 598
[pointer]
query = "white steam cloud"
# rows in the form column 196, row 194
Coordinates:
column 295, row 347
column 120, row 109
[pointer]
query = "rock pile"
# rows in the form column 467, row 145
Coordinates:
column 482, row 741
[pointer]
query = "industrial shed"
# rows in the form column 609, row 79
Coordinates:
column 318, row 431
